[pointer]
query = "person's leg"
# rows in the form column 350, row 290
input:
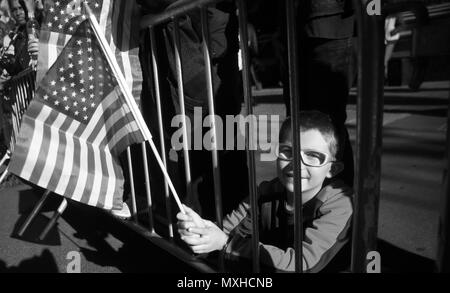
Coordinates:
column 327, row 74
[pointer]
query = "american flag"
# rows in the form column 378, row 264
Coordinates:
column 76, row 126
column 118, row 21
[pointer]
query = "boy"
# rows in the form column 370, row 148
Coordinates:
column 327, row 208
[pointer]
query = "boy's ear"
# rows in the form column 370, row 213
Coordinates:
column 336, row 168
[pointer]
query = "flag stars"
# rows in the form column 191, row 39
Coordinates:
column 92, row 105
column 80, row 62
column 71, row 75
column 83, row 100
column 85, row 117
column 74, row 95
column 81, row 71
column 55, row 18
column 90, row 68
column 71, row 29
column 61, row 69
column 91, row 87
column 67, row 108
column 84, row 109
column 91, row 77
column 55, row 93
column 45, row 97
column 70, row 55
column 70, row 65
column 90, row 59
column 82, row 81
column 53, row 83
column 76, row 113
column 72, row 84
column 62, row 78
column 80, row 52
column 56, row 102
column 65, row 98
column 75, row 103
column 60, row 26
column 82, row 90
column 63, row 88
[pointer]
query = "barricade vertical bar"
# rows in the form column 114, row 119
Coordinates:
column 187, row 166
column 147, row 188
column 209, row 85
column 3, row 176
column 242, row 11
column 369, row 134
column 22, row 98
column 443, row 251
column 15, row 115
column 160, row 126
column 54, row 218
column 295, row 107
column 133, row 193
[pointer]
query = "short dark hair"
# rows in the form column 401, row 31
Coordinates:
column 317, row 120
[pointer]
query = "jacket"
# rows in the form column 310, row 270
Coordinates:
column 326, row 226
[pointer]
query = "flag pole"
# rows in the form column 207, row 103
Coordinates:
column 130, row 100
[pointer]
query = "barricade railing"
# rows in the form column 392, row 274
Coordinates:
column 19, row 91
column 370, row 31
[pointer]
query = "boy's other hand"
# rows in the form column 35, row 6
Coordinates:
column 211, row 238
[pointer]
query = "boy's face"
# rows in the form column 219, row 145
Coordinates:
column 312, row 177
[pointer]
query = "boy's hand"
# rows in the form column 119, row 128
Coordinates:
column 211, row 238
column 189, row 220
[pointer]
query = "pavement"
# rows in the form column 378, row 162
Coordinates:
column 414, row 129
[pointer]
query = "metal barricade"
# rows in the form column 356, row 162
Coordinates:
column 19, row 91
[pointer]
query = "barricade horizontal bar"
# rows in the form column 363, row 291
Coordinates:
column 168, row 246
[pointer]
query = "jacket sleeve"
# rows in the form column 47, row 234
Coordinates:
column 321, row 242
column 267, row 191
column 233, row 219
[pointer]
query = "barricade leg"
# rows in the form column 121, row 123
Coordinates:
column 3, row 176
column 53, row 220
column 33, row 213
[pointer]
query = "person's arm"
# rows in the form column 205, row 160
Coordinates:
column 322, row 240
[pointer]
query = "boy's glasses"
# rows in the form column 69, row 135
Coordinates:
column 310, row 158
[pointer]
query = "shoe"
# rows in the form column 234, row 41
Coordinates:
column 123, row 213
